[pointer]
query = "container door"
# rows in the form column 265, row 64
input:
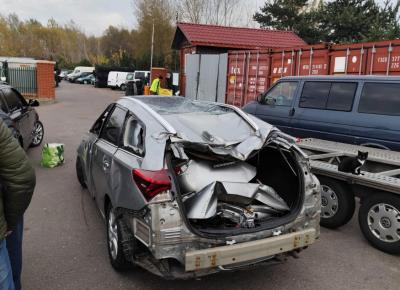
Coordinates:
column 276, row 106
column 192, row 70
column 324, row 111
column 208, row 78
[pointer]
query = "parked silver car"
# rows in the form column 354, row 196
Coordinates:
column 191, row 188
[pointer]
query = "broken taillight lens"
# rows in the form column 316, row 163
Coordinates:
column 151, row 183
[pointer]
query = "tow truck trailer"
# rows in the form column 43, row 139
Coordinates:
column 377, row 187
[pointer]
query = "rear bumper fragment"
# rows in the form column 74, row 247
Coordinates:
column 248, row 251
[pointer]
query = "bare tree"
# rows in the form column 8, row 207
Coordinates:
column 192, row 10
column 218, row 12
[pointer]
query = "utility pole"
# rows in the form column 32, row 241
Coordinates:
column 152, row 50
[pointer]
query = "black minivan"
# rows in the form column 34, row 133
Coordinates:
column 21, row 117
column 361, row 110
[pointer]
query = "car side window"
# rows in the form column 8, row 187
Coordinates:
column 315, row 95
column 111, row 131
column 96, row 128
column 14, row 101
column 380, row 99
column 134, row 136
column 281, row 94
column 341, row 96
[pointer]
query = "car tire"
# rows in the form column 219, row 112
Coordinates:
column 123, row 87
column 114, row 241
column 79, row 173
column 85, row 82
column 38, row 134
column 379, row 220
column 337, row 203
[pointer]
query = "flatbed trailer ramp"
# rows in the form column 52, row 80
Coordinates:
column 378, row 187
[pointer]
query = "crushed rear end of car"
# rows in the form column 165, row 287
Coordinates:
column 237, row 195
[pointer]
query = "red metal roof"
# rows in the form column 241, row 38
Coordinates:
column 233, row 37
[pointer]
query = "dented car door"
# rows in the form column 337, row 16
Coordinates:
column 103, row 152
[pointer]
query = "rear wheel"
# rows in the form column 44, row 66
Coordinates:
column 38, row 134
column 337, row 203
column 379, row 219
column 114, row 241
column 85, row 82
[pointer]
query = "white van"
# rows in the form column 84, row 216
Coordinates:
column 137, row 75
column 78, row 70
column 117, row 79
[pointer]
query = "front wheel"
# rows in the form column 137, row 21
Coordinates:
column 79, row 172
column 85, row 82
column 38, row 134
column 123, row 87
column 337, row 203
column 114, row 241
column 379, row 219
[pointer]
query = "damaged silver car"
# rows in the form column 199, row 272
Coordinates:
column 191, row 188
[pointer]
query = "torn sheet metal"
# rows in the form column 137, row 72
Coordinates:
column 198, row 174
column 203, row 204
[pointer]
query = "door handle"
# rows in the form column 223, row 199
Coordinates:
column 106, row 164
column 292, row 111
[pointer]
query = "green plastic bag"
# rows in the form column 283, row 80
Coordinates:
column 52, row 155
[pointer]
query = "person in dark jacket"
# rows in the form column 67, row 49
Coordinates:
column 17, row 180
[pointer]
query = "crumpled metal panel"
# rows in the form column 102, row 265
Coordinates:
column 198, row 174
column 203, row 204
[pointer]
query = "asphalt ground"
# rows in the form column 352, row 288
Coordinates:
column 65, row 243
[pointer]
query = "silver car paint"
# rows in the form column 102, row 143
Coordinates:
column 170, row 237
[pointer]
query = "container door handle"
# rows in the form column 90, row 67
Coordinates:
column 292, row 111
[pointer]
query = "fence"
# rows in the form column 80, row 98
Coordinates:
column 24, row 79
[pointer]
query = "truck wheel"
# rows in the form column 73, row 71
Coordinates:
column 79, row 172
column 123, row 87
column 337, row 203
column 114, row 241
column 379, row 219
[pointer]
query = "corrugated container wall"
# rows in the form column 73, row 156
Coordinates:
column 253, row 72
column 248, row 73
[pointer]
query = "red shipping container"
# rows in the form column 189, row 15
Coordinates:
column 312, row 60
column 282, row 64
column 384, row 58
column 248, row 73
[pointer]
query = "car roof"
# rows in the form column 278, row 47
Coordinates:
column 344, row 78
column 181, row 114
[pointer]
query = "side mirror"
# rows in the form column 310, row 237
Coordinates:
column 270, row 101
column 260, row 98
column 33, row 103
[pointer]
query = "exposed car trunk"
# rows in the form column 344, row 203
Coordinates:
column 224, row 196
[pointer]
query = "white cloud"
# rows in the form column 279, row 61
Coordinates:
column 92, row 16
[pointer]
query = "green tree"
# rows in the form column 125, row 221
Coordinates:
column 162, row 15
column 348, row 20
column 293, row 15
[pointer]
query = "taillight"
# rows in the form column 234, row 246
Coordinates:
column 151, row 183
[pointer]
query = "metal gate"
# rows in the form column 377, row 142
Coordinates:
column 23, row 79
column 206, row 77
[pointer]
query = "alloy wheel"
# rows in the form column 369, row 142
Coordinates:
column 112, row 234
column 37, row 134
column 329, row 202
column 384, row 222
